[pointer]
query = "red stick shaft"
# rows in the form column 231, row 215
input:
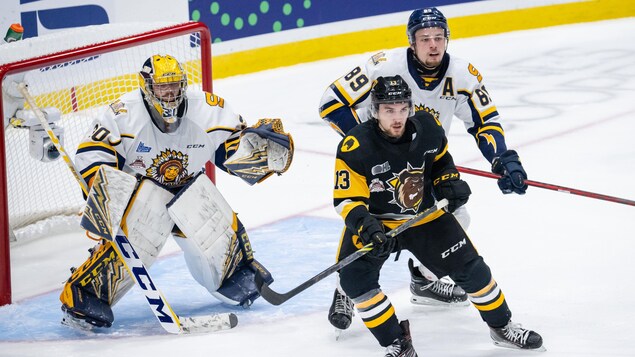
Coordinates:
column 548, row 186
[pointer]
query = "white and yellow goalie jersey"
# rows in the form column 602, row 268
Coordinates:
column 125, row 137
column 456, row 90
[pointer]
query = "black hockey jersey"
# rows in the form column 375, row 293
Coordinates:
column 390, row 180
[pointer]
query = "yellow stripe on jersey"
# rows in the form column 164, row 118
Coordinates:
column 348, row 182
column 93, row 144
column 225, row 128
column 330, row 109
column 487, row 112
column 394, row 224
column 346, row 206
column 344, row 93
column 445, row 150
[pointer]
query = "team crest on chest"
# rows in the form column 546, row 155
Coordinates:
column 435, row 113
column 169, row 168
column 407, row 188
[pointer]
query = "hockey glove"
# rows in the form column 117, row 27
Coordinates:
column 371, row 231
column 264, row 149
column 513, row 175
column 455, row 190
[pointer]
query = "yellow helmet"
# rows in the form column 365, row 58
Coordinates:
column 163, row 83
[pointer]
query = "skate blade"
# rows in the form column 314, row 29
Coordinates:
column 77, row 324
column 514, row 347
column 337, row 333
column 418, row 300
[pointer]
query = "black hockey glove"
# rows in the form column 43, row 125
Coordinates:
column 513, row 175
column 455, row 190
column 370, row 230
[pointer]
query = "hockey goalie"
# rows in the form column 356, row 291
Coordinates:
column 164, row 134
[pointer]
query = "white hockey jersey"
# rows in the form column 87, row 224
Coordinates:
column 457, row 90
column 125, row 137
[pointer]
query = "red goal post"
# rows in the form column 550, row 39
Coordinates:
column 78, row 72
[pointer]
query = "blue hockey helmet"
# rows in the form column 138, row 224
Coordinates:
column 426, row 18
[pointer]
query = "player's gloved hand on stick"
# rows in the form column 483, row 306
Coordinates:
column 513, row 175
column 455, row 190
column 370, row 230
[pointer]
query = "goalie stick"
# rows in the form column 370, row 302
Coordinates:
column 275, row 298
column 159, row 305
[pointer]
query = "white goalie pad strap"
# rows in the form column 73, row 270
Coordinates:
column 207, row 221
column 147, row 223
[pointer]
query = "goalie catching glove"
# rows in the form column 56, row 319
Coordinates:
column 263, row 149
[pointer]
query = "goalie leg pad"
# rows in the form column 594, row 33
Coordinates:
column 240, row 288
column 147, row 223
column 211, row 247
column 90, row 291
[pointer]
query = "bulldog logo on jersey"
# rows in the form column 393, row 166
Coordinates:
column 407, row 188
column 169, row 168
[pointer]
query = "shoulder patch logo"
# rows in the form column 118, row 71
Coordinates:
column 350, row 143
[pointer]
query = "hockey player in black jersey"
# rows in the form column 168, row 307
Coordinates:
column 387, row 170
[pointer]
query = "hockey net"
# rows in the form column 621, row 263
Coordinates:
column 79, row 72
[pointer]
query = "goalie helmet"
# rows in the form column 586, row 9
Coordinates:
column 163, row 83
column 426, row 18
column 389, row 90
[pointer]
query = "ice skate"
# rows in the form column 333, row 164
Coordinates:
column 402, row 347
column 514, row 336
column 341, row 312
column 439, row 293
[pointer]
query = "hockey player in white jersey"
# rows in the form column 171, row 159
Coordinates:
column 444, row 86
column 167, row 133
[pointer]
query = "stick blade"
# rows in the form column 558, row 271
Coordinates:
column 269, row 295
column 208, row 323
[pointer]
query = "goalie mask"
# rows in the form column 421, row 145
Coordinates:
column 390, row 90
column 163, row 83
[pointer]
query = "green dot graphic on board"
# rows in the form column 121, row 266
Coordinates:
column 277, row 26
column 224, row 19
column 252, row 19
column 214, row 8
column 196, row 15
column 238, row 23
column 264, row 7
column 299, row 23
column 286, row 9
column 307, row 4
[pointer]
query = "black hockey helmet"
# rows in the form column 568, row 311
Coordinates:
column 388, row 90
column 425, row 18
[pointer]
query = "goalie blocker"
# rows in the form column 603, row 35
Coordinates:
column 215, row 244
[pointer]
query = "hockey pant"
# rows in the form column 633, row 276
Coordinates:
column 443, row 246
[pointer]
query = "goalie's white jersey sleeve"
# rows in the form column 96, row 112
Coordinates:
column 459, row 91
column 125, row 137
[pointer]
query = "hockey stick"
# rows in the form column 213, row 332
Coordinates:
column 159, row 305
column 548, row 186
column 275, row 298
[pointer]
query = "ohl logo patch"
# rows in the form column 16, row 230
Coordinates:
column 407, row 188
column 169, row 168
